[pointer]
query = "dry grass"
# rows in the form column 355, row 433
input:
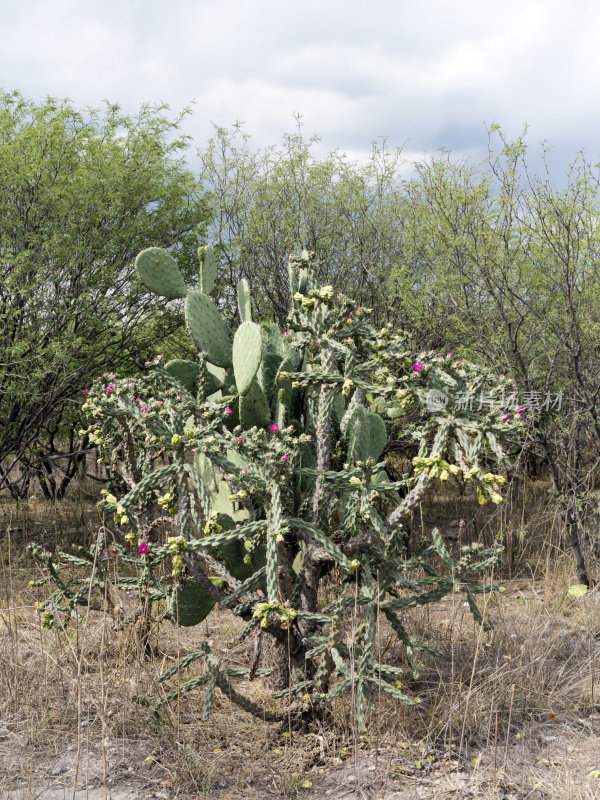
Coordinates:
column 506, row 714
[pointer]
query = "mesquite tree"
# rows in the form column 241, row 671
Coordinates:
column 271, row 487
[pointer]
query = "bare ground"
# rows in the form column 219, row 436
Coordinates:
column 512, row 714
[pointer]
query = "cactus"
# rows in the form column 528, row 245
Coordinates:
column 244, row 300
column 269, row 508
column 187, row 373
column 189, row 605
column 247, row 355
column 208, row 329
column 254, row 409
column 208, row 268
column 159, row 272
column 366, row 435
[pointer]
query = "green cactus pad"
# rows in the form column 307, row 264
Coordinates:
column 187, row 372
column 254, row 409
column 208, row 267
column 276, row 342
column 232, row 553
column 244, row 300
column 205, row 470
column 366, row 435
column 208, row 329
column 158, row 271
column 247, row 355
column 377, row 434
column 190, row 605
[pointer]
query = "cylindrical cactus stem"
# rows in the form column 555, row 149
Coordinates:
column 273, row 533
column 131, row 472
column 202, row 377
column 292, row 276
column 326, row 400
column 183, row 519
column 410, row 502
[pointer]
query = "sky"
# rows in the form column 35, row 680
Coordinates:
column 424, row 74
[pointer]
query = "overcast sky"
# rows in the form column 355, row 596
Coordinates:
column 423, row 73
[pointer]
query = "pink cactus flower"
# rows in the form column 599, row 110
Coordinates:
column 240, row 440
column 274, row 427
column 418, row 367
column 505, row 418
column 143, row 548
column 285, row 457
column 109, row 388
column 138, row 400
column 86, row 391
column 143, row 408
column 228, row 411
column 285, row 333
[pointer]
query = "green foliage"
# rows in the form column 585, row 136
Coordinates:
column 271, row 202
column 507, row 263
column 81, row 194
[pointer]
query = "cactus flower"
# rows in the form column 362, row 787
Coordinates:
column 505, row 418
column 143, row 548
column 144, row 408
column 418, row 367
column 86, row 391
column 274, row 427
column 285, row 457
column 228, row 411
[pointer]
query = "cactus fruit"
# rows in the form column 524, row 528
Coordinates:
column 208, row 329
column 208, row 268
column 247, row 355
column 158, row 271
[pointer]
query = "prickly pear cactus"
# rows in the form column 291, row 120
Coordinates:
column 254, row 516
column 159, row 272
column 208, row 329
column 247, row 355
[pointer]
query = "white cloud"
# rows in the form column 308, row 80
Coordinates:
column 427, row 71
